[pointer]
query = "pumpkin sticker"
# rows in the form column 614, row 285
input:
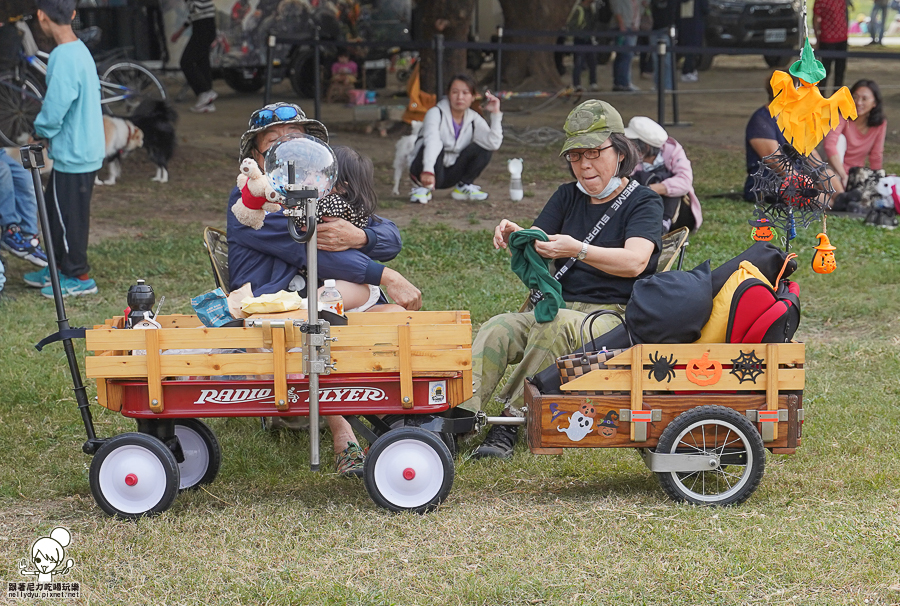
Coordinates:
column 762, row 227
column 703, row 371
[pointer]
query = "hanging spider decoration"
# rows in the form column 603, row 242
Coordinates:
column 790, row 187
column 747, row 366
column 663, row 368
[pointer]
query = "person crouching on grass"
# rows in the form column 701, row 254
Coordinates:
column 72, row 120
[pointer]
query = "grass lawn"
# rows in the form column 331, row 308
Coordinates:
column 586, row 527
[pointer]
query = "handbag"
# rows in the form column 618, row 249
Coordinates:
column 572, row 366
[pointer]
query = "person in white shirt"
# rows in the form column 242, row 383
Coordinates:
column 455, row 144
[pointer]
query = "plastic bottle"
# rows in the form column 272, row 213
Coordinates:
column 330, row 299
column 516, row 192
column 140, row 300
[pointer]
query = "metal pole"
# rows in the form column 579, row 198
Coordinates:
column 317, row 64
column 32, row 158
column 439, row 64
column 498, row 61
column 312, row 350
column 660, row 81
column 270, row 50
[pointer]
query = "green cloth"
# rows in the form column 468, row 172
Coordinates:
column 808, row 68
column 534, row 271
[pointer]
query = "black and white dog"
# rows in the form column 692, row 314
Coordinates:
column 152, row 126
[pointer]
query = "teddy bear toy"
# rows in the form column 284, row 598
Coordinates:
column 257, row 196
column 889, row 189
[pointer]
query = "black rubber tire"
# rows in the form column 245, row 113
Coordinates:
column 213, row 453
column 683, row 435
column 139, row 80
column 776, row 60
column 238, row 81
column 146, row 449
column 395, row 421
column 18, row 111
column 301, row 72
column 412, row 449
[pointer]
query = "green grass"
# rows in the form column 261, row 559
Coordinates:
column 586, row 527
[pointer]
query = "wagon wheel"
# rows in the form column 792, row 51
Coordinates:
column 134, row 474
column 408, row 469
column 713, row 432
column 202, row 454
column 395, row 421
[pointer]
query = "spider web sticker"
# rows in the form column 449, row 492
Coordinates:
column 747, row 367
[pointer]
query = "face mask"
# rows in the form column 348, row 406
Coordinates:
column 649, row 166
column 612, row 186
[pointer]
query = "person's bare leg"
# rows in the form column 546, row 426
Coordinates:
column 386, row 307
column 341, row 432
column 354, row 295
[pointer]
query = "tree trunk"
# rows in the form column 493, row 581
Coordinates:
column 526, row 70
column 451, row 18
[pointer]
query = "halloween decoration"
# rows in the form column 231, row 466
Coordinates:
column 663, row 368
column 791, row 188
column 762, row 227
column 747, row 367
column 607, row 427
column 703, row 371
column 588, row 410
column 579, row 426
column 804, row 116
column 554, row 411
column 823, row 261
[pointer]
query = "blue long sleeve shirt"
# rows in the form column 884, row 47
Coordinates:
column 268, row 258
column 70, row 116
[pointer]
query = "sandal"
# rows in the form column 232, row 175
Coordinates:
column 350, row 461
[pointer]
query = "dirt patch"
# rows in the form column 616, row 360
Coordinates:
column 714, row 112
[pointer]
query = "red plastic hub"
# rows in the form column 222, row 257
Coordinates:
column 408, row 474
column 131, row 479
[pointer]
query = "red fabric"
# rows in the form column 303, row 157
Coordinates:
column 752, row 302
column 757, row 332
column 251, row 201
column 832, row 20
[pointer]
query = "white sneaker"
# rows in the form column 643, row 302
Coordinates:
column 595, row 87
column 204, row 99
column 422, row 195
column 690, row 77
column 204, row 109
column 468, row 191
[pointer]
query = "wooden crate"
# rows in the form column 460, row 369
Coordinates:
column 411, row 344
column 631, row 409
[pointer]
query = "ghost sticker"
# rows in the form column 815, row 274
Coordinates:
column 607, row 426
column 579, row 426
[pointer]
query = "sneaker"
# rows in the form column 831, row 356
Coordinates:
column 38, row 279
column 468, row 191
column 422, row 195
column 690, row 77
column 71, row 286
column 204, row 99
column 350, row 462
column 595, row 87
column 204, row 109
column 626, row 88
column 24, row 246
column 499, row 443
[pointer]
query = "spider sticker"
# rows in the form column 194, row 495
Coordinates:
column 747, row 367
column 663, row 368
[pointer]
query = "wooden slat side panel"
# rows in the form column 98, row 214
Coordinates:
column 154, row 372
column 412, row 318
column 620, row 380
column 419, row 335
column 406, row 383
column 548, row 432
column 724, row 353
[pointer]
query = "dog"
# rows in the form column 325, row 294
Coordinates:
column 122, row 137
column 152, row 127
column 403, row 155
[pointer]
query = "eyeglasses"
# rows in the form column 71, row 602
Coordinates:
column 274, row 113
column 590, row 154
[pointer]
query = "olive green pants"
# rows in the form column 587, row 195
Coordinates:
column 517, row 338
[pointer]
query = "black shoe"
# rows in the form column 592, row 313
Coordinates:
column 499, row 443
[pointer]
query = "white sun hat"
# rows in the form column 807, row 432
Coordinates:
column 646, row 130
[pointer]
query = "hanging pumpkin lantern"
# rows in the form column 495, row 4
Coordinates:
column 823, row 261
column 703, row 371
column 762, row 227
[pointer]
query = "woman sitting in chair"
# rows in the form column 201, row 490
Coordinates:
column 608, row 226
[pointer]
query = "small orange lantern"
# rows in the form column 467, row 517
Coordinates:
column 823, row 261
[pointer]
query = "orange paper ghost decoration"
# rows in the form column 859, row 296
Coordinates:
column 823, row 261
column 804, row 116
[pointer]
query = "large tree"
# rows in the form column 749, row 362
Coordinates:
column 532, row 70
column 452, row 18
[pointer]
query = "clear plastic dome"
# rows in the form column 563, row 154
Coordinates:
column 315, row 166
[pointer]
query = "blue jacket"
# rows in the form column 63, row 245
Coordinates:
column 70, row 116
column 269, row 258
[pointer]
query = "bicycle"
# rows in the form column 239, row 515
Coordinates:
column 123, row 85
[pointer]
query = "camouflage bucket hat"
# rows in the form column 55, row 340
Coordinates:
column 277, row 114
column 590, row 124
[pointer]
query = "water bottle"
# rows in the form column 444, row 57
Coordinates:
column 330, row 299
column 140, row 300
column 516, row 192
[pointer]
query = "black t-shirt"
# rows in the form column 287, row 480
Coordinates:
column 571, row 212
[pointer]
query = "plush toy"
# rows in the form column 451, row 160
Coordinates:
column 257, row 196
column 889, row 189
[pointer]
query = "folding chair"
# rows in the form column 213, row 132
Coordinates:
column 217, row 246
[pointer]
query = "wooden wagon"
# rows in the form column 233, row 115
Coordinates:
column 394, row 369
column 701, row 414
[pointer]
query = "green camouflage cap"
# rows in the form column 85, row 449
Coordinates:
column 590, row 124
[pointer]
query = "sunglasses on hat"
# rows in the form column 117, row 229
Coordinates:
column 276, row 112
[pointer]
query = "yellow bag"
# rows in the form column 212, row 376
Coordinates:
column 716, row 327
